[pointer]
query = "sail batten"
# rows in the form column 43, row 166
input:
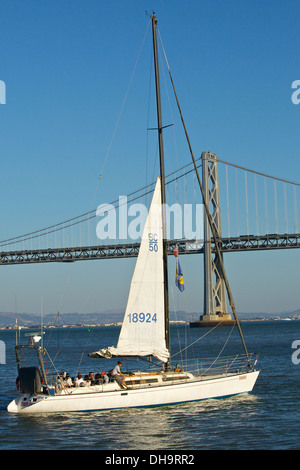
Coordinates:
column 143, row 328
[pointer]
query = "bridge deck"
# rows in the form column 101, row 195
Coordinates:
column 129, row 250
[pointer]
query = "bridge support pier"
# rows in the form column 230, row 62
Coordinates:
column 215, row 309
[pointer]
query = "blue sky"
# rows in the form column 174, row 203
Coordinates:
column 67, row 68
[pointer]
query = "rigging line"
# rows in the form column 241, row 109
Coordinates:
column 230, row 297
column 198, row 339
column 59, row 345
column 187, row 329
column 87, row 342
column 228, row 216
column 259, row 173
column 51, row 330
column 171, row 113
column 237, row 204
column 176, row 310
column 215, row 360
column 121, row 112
column 46, row 352
column 124, row 101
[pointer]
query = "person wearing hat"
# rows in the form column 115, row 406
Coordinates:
column 118, row 376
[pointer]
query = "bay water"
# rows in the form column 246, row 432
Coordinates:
column 266, row 419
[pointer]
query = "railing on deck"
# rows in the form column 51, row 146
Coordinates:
column 222, row 365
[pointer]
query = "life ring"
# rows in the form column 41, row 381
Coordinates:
column 18, row 383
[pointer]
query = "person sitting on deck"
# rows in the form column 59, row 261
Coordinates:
column 87, row 382
column 92, row 378
column 98, row 378
column 104, row 377
column 78, row 380
column 68, row 381
column 118, row 376
column 60, row 382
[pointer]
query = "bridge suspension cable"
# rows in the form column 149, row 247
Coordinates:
column 247, row 207
column 270, row 204
column 258, row 172
column 92, row 213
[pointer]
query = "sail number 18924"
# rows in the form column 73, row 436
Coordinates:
column 142, row 317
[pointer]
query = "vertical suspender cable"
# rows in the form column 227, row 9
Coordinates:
column 246, row 196
column 285, row 208
column 266, row 206
column 237, row 203
column 295, row 211
column 195, row 201
column 275, row 207
column 256, row 204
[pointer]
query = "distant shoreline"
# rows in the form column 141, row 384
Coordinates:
column 9, row 320
column 119, row 324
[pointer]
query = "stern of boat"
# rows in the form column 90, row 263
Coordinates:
column 23, row 402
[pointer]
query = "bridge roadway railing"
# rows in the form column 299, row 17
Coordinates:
column 129, row 250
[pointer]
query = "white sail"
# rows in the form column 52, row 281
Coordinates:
column 143, row 328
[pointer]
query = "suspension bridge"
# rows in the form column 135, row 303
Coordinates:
column 261, row 210
column 129, row 250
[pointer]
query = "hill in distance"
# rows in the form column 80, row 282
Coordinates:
column 8, row 319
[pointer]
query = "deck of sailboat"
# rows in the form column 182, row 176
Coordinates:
column 148, row 380
column 134, row 381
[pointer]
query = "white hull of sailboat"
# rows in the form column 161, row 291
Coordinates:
column 148, row 396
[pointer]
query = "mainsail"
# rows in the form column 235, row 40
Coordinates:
column 143, row 328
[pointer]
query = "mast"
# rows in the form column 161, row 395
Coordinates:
column 163, row 191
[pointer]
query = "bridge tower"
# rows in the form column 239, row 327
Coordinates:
column 215, row 309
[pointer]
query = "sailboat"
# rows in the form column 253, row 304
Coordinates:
column 145, row 333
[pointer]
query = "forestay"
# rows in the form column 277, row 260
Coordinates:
column 143, row 328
